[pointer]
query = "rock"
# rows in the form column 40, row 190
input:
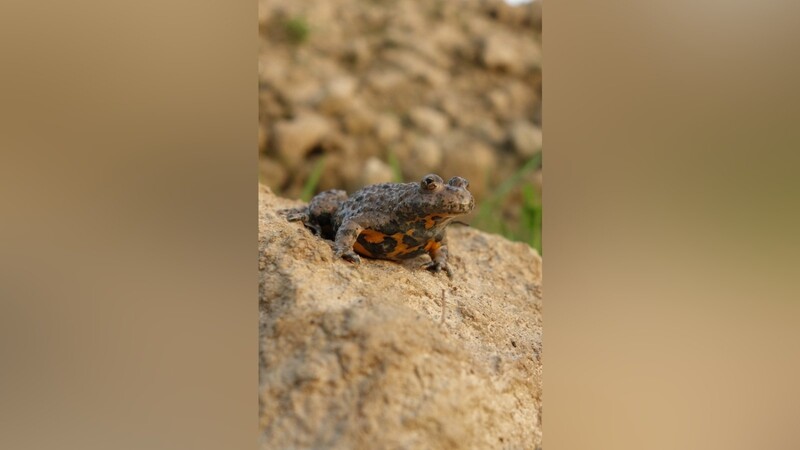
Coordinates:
column 376, row 171
column 342, row 162
column 469, row 158
column 417, row 67
column 537, row 114
column 264, row 15
column 358, row 118
column 263, row 138
column 535, row 15
column 465, row 111
column 429, row 120
column 522, row 98
column 450, row 39
column 359, row 356
column 516, row 15
column 343, row 166
column 453, row 105
column 383, row 80
column 271, row 173
column 342, row 87
column 499, row 101
column 426, row 48
column 339, row 94
column 531, row 52
column 272, row 70
column 500, row 53
column 387, row 128
column 425, row 157
column 331, row 177
column 476, row 25
column 358, row 53
column 302, row 91
column 489, row 131
column 293, row 139
column 526, row 138
column 269, row 104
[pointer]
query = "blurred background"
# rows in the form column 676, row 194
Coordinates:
column 355, row 92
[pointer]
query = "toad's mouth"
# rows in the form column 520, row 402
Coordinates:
column 438, row 219
column 463, row 207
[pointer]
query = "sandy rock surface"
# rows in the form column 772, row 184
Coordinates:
column 358, row 356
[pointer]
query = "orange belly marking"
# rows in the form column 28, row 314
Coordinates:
column 429, row 222
column 372, row 236
column 361, row 250
column 432, row 246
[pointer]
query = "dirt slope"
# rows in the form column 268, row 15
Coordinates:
column 358, row 356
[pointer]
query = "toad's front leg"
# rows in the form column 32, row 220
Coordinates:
column 437, row 249
column 345, row 239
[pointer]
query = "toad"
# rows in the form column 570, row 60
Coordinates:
column 393, row 221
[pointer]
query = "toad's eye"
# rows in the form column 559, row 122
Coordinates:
column 458, row 182
column 430, row 182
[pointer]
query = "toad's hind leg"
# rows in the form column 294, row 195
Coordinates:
column 301, row 215
column 321, row 209
column 294, row 214
column 318, row 215
column 345, row 239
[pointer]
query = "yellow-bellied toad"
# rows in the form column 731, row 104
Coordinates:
column 391, row 221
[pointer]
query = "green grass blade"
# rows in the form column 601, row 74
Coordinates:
column 394, row 163
column 313, row 180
